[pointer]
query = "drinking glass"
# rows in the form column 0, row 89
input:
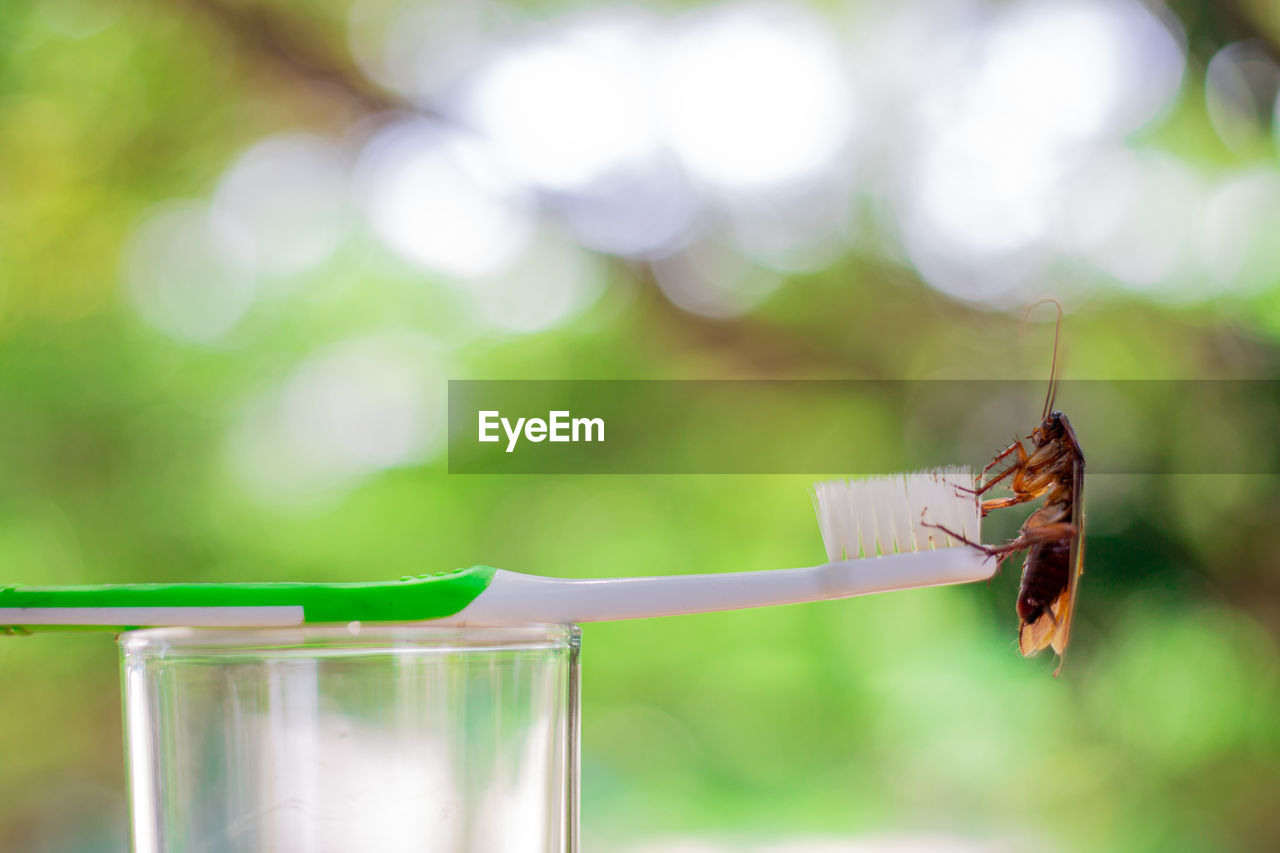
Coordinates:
column 405, row 739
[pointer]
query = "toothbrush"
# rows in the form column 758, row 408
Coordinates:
column 874, row 531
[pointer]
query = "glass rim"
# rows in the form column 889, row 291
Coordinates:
column 353, row 637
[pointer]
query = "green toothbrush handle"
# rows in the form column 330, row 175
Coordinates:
column 116, row 606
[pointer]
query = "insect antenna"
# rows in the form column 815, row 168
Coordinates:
column 1052, row 391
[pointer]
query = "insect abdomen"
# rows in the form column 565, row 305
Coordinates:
column 1045, row 575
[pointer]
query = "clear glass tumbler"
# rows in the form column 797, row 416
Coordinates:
column 407, row 739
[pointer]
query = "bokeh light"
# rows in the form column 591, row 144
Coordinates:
column 711, row 279
column 363, row 406
column 188, row 273
column 804, row 230
column 441, row 199
column 647, row 210
column 1079, row 69
column 552, row 282
column 1238, row 246
column 1240, row 88
column 754, row 96
column 568, row 107
column 288, row 195
column 1049, row 80
column 1134, row 217
column 422, row 50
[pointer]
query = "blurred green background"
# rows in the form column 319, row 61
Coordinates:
column 244, row 243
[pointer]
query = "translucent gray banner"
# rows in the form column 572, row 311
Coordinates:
column 828, row 427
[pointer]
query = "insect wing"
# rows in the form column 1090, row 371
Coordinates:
column 1076, row 560
column 1034, row 636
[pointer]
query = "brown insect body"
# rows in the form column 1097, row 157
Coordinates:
column 1053, row 535
column 1044, row 577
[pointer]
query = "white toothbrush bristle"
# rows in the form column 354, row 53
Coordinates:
column 889, row 514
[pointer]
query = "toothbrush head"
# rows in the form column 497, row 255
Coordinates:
column 897, row 513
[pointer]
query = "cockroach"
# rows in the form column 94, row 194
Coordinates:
column 1053, row 535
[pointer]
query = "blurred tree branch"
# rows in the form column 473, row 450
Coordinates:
column 1211, row 25
column 756, row 347
column 292, row 43
column 1262, row 19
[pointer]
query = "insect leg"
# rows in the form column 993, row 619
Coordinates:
column 1017, row 469
column 988, row 484
column 1042, row 533
column 1016, row 446
column 1000, row 551
column 1012, row 500
column 1020, row 496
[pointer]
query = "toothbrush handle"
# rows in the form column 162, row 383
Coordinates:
column 478, row 595
column 119, row 606
column 514, row 597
